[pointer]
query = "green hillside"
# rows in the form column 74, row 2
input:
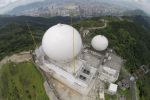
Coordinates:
column 21, row 82
column 128, row 36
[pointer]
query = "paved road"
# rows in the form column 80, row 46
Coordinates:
column 94, row 28
column 134, row 95
column 133, row 90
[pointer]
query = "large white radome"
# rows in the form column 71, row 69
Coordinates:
column 99, row 42
column 58, row 42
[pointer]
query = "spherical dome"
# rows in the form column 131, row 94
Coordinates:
column 62, row 42
column 99, row 43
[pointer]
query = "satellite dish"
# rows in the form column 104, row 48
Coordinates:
column 99, row 42
column 62, row 42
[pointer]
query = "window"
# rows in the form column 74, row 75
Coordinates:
column 82, row 77
column 86, row 71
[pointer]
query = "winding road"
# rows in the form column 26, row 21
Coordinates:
column 102, row 27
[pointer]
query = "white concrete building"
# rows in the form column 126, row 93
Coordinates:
column 112, row 88
column 64, row 57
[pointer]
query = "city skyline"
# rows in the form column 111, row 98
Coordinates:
column 8, row 5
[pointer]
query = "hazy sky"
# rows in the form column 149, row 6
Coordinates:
column 7, row 5
column 6, row 2
column 142, row 4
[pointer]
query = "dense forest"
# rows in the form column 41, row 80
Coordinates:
column 128, row 36
column 15, row 35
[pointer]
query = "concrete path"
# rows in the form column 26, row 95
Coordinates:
column 17, row 58
column 49, row 91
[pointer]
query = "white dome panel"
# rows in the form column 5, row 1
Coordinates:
column 58, row 42
column 99, row 43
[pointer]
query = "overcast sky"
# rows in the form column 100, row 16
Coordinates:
column 143, row 4
column 6, row 2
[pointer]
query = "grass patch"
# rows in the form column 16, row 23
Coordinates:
column 110, row 97
column 21, row 82
column 127, row 93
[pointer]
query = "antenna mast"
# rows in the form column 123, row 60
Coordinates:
column 74, row 63
column 33, row 39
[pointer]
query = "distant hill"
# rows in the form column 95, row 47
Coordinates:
column 135, row 12
column 143, row 20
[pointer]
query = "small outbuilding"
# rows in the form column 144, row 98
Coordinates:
column 112, row 88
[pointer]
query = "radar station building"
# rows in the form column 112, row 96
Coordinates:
column 64, row 56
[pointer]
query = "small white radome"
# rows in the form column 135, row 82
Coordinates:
column 61, row 42
column 99, row 43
